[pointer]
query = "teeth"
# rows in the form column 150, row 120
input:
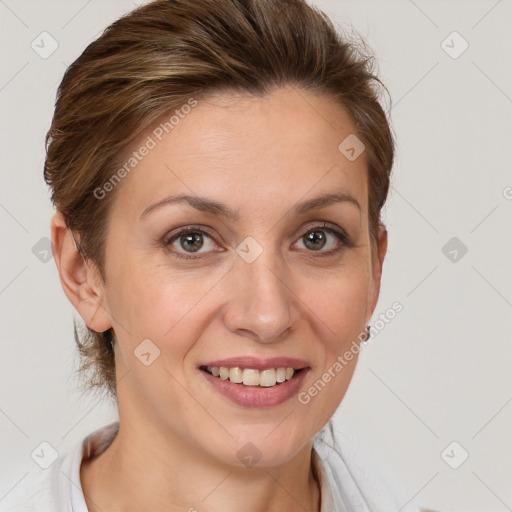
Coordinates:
column 268, row 378
column 252, row 377
column 235, row 375
column 281, row 375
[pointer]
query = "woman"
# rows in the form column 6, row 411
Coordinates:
column 218, row 170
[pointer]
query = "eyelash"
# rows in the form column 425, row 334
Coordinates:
column 341, row 236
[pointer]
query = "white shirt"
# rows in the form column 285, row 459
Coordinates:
column 347, row 484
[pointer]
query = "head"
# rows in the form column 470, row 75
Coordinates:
column 249, row 108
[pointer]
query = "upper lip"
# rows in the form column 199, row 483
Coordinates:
column 259, row 364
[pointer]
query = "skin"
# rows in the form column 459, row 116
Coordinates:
column 178, row 439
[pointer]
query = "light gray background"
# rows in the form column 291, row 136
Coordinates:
column 439, row 372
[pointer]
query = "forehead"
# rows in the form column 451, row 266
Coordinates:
column 245, row 149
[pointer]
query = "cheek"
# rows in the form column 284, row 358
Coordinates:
column 166, row 306
column 171, row 307
column 337, row 312
column 339, row 301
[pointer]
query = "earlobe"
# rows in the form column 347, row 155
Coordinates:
column 79, row 278
column 383, row 245
column 377, row 264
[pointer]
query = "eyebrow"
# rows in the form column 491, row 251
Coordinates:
column 211, row 206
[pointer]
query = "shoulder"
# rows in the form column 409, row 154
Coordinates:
column 58, row 487
column 360, row 480
column 41, row 491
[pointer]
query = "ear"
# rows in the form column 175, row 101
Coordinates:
column 377, row 263
column 80, row 280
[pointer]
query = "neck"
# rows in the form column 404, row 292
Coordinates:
column 139, row 471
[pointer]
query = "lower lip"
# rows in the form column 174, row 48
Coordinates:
column 257, row 396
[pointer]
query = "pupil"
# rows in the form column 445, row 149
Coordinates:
column 315, row 237
column 193, row 239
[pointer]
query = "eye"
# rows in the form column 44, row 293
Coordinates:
column 324, row 239
column 190, row 241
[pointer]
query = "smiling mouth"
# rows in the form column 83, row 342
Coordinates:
column 252, row 377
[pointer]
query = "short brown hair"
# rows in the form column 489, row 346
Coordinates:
column 152, row 60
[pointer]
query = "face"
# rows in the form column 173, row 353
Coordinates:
column 251, row 275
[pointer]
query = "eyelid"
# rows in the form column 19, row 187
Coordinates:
column 192, row 228
column 322, row 224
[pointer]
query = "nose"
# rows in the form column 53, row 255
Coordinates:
column 262, row 305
